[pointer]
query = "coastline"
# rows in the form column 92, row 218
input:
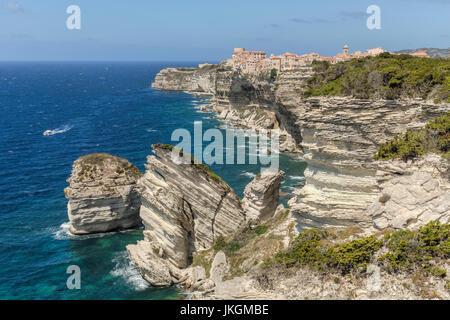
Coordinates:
column 362, row 185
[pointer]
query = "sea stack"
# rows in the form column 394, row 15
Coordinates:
column 103, row 194
column 262, row 194
column 185, row 208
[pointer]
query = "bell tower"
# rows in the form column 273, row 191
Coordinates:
column 346, row 50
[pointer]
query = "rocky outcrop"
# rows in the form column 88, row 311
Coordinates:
column 195, row 80
column 185, row 208
column 412, row 194
column 338, row 136
column 103, row 194
column 262, row 194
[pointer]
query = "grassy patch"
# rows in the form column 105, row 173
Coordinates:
column 260, row 230
column 204, row 259
column 434, row 137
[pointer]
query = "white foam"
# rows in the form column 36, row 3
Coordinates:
column 301, row 178
column 63, row 233
column 59, row 130
column 125, row 269
column 248, row 174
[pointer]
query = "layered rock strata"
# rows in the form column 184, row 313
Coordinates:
column 338, row 136
column 185, row 208
column 262, row 194
column 412, row 194
column 103, row 194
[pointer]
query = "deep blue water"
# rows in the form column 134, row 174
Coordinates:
column 91, row 107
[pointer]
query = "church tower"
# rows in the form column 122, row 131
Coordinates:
column 346, row 50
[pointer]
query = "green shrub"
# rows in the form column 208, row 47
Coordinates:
column 404, row 250
column 273, row 74
column 409, row 250
column 434, row 137
column 304, row 250
column 220, row 243
column 311, row 249
column 260, row 230
column 385, row 76
column 228, row 247
column 353, row 254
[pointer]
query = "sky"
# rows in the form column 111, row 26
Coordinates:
column 198, row 30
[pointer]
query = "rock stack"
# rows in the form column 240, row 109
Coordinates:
column 103, row 194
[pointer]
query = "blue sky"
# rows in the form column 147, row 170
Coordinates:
column 198, row 30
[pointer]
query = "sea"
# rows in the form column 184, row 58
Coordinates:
column 86, row 107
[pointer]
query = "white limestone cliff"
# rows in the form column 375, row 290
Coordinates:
column 262, row 194
column 103, row 194
column 185, row 208
column 411, row 194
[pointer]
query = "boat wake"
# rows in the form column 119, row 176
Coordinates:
column 59, row 130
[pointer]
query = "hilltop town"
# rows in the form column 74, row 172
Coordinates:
column 254, row 62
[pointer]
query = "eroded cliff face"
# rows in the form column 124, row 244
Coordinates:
column 103, row 194
column 412, row 194
column 338, row 136
column 185, row 208
column 186, row 79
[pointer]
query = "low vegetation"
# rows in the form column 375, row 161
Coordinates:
column 412, row 251
column 313, row 248
column 434, row 137
column 385, row 76
column 187, row 69
column 96, row 162
column 404, row 250
column 250, row 246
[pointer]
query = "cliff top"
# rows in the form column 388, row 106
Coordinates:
column 100, row 166
column 199, row 166
column 385, row 76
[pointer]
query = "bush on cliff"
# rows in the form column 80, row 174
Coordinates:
column 410, row 250
column 403, row 250
column 434, row 137
column 273, row 74
column 314, row 249
column 385, row 76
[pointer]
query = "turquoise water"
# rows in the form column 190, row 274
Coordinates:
column 89, row 107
